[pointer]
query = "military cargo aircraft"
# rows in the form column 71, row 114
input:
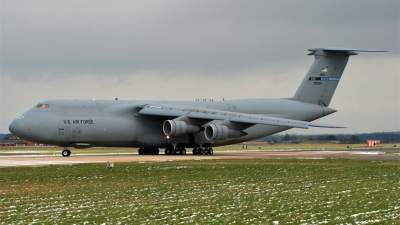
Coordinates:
column 177, row 125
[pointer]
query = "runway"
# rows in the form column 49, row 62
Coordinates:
column 43, row 160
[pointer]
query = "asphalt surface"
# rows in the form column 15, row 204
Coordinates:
column 42, row 160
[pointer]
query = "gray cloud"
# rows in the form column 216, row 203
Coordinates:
column 78, row 49
column 113, row 38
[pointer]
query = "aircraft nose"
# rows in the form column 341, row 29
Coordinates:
column 22, row 127
column 14, row 125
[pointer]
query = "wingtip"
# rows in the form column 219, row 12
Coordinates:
column 339, row 127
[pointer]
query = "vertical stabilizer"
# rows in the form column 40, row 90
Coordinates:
column 321, row 81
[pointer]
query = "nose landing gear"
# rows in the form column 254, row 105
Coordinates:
column 66, row 153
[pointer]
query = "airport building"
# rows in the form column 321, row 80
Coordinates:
column 373, row 143
column 14, row 141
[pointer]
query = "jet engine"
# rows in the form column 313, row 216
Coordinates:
column 221, row 132
column 177, row 128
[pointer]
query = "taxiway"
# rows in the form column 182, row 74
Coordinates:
column 43, row 160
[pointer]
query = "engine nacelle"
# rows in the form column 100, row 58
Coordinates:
column 221, row 132
column 177, row 128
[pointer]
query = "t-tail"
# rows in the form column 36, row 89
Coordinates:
column 321, row 81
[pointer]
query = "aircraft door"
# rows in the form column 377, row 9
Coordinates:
column 67, row 131
column 64, row 131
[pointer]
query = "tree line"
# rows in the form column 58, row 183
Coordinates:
column 384, row 137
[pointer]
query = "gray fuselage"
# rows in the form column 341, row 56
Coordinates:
column 117, row 123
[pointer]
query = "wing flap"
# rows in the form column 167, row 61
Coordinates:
column 268, row 122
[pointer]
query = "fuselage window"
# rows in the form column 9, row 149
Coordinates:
column 43, row 106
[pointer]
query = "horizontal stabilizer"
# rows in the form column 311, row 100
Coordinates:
column 349, row 51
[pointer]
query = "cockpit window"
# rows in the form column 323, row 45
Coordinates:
column 43, row 106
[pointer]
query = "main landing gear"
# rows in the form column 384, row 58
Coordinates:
column 182, row 151
column 66, row 153
column 175, row 151
column 201, row 151
column 149, row 151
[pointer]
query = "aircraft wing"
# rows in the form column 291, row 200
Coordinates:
column 210, row 115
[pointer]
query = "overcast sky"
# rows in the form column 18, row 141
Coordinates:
column 184, row 50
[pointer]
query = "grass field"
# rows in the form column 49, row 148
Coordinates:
column 276, row 191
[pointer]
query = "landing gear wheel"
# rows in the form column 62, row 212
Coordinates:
column 66, row 153
column 183, row 151
column 210, row 151
column 200, row 151
column 195, row 151
column 172, row 152
column 167, row 151
column 140, row 151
